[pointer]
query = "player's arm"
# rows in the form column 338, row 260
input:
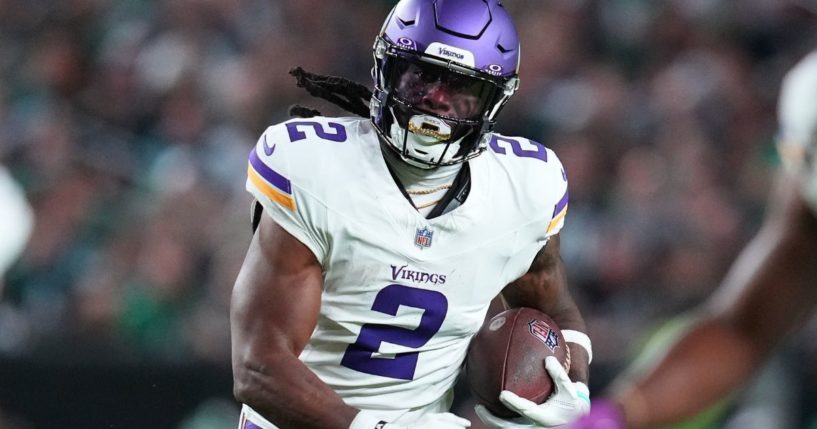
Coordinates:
column 544, row 287
column 274, row 309
column 769, row 292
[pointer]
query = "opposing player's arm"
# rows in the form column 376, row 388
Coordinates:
column 544, row 287
column 770, row 291
column 275, row 306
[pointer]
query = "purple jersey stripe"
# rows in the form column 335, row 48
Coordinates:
column 270, row 175
column 250, row 425
column 560, row 205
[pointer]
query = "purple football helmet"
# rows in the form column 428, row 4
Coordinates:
column 443, row 71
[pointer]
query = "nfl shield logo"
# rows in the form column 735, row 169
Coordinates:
column 423, row 237
column 543, row 333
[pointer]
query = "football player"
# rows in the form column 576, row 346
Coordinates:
column 769, row 292
column 381, row 241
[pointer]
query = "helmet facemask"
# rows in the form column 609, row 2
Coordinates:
column 431, row 111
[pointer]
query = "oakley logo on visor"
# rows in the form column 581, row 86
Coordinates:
column 451, row 53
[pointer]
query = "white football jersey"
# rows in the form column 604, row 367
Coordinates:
column 402, row 295
column 797, row 113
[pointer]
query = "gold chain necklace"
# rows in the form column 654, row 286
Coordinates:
column 428, row 191
column 429, row 204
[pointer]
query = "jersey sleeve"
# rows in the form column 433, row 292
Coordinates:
column 542, row 185
column 559, row 181
column 272, row 178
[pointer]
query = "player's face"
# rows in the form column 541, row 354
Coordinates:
column 440, row 91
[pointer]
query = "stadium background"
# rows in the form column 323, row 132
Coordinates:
column 127, row 125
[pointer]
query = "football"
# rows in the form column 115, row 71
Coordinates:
column 508, row 353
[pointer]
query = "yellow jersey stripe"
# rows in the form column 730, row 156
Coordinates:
column 273, row 194
column 556, row 220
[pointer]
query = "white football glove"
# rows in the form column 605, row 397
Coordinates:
column 366, row 420
column 569, row 401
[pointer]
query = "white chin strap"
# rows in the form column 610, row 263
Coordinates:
column 425, row 141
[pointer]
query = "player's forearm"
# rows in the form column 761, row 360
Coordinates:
column 767, row 294
column 286, row 392
column 579, row 364
column 708, row 362
column 545, row 288
column 571, row 319
column 566, row 314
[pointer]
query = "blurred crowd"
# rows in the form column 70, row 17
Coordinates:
column 127, row 124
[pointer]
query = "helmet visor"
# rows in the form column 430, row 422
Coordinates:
column 440, row 91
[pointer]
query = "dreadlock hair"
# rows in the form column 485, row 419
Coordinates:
column 346, row 94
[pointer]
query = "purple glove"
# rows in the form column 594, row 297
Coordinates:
column 604, row 414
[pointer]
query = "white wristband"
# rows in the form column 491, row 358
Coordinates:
column 580, row 339
column 365, row 420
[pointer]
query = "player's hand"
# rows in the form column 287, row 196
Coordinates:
column 569, row 401
column 434, row 420
column 603, row 415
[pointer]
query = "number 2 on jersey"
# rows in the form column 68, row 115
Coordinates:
column 534, row 150
column 295, row 134
column 360, row 356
